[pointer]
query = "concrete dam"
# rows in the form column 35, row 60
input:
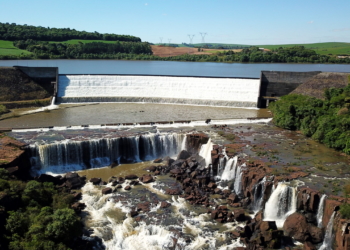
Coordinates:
column 192, row 90
column 213, row 91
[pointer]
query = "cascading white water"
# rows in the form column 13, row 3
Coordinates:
column 184, row 143
column 205, row 152
column 328, row 237
column 156, row 232
column 230, row 169
column 259, row 191
column 165, row 89
column 238, row 179
column 320, row 209
column 69, row 155
column 281, row 203
column 53, row 101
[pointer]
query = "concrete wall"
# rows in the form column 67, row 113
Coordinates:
column 39, row 72
column 47, row 77
column 280, row 83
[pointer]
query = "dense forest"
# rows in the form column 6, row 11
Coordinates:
column 326, row 121
column 46, row 50
column 35, row 215
column 13, row 32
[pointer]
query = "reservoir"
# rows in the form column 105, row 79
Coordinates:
column 252, row 70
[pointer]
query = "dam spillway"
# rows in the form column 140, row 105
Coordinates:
column 213, row 91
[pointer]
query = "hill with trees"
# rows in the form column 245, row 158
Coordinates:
column 325, row 120
column 13, row 32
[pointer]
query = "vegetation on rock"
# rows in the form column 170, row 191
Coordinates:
column 326, row 121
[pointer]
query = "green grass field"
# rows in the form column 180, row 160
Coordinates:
column 333, row 48
column 7, row 48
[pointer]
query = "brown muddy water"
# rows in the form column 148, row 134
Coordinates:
column 112, row 113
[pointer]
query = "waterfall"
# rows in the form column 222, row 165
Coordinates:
column 53, row 101
column 236, row 92
column 259, row 191
column 205, row 152
column 238, row 180
column 69, row 155
column 221, row 166
column 184, row 143
column 281, row 203
column 319, row 216
column 229, row 172
column 328, row 237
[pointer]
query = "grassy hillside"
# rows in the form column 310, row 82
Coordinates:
column 333, row 48
column 7, row 48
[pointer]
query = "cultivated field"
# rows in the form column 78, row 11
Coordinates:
column 164, row 51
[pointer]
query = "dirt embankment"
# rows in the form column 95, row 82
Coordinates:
column 17, row 86
column 316, row 85
column 164, row 51
column 13, row 156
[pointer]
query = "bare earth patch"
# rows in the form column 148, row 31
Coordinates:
column 164, row 51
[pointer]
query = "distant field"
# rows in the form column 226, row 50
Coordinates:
column 320, row 48
column 7, row 48
column 333, row 48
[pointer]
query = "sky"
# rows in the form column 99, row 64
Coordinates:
column 251, row 22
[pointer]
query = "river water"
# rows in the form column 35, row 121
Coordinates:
column 172, row 68
column 181, row 225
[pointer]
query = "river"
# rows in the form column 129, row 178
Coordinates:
column 172, row 68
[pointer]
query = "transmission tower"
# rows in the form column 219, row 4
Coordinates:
column 191, row 38
column 161, row 40
column 169, row 41
column 203, row 36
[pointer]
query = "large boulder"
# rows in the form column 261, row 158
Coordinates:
column 131, row 177
column 183, row 155
column 95, row 181
column 147, row 178
column 297, row 227
column 73, row 180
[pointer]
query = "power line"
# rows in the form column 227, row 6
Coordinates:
column 203, row 34
column 191, row 38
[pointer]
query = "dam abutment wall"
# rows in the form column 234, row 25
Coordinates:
column 47, row 77
column 279, row 83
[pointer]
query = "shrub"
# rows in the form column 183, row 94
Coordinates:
column 3, row 110
column 345, row 211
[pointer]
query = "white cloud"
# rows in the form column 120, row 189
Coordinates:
column 311, row 22
column 146, row 4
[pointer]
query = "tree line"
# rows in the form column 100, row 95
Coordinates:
column 296, row 54
column 46, row 50
column 13, row 32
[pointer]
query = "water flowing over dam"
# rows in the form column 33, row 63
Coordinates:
column 213, row 91
column 69, row 155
